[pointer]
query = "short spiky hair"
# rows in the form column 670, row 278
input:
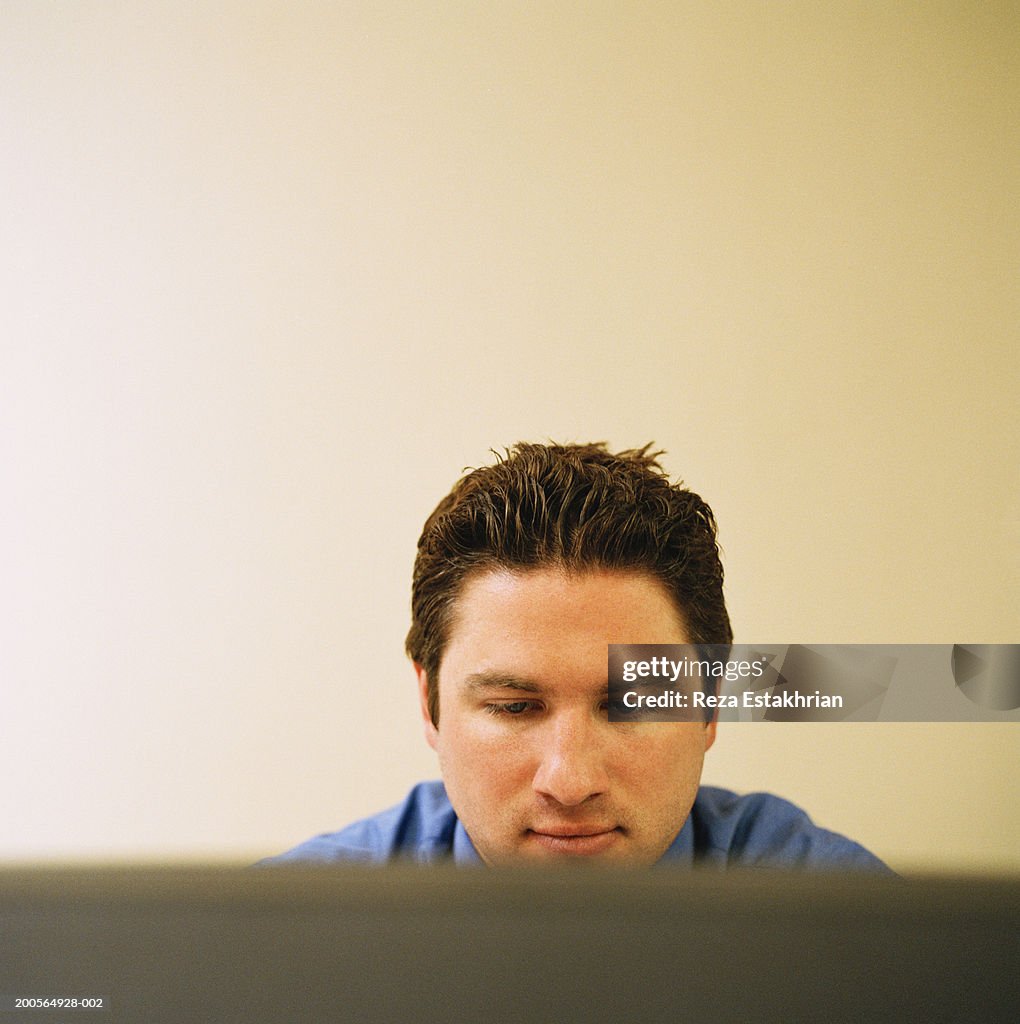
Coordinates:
column 577, row 506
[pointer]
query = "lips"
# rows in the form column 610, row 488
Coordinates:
column 575, row 840
column 567, row 831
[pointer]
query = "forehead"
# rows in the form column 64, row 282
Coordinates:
column 554, row 623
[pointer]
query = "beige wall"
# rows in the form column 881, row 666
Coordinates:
column 275, row 272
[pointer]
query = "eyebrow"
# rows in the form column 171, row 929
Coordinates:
column 500, row 681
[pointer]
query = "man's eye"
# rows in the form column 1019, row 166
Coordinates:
column 512, row 708
column 621, row 711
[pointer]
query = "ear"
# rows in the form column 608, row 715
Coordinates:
column 710, row 731
column 431, row 732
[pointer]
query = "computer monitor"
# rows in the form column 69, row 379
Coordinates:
column 302, row 944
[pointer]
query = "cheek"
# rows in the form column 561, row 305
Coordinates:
column 474, row 732
column 479, row 753
column 665, row 759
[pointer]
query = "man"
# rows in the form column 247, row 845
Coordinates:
column 525, row 573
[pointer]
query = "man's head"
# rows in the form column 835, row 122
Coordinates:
column 525, row 572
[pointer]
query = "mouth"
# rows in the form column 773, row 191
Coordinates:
column 575, row 840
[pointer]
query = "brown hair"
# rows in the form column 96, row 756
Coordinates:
column 577, row 506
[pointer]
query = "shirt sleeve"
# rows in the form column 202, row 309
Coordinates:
column 762, row 830
column 419, row 829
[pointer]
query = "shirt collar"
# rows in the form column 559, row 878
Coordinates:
column 464, row 851
column 681, row 851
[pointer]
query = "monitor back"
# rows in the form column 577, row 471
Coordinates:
column 301, row 944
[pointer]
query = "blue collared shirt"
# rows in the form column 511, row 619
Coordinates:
column 723, row 830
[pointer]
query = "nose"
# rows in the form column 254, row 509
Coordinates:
column 572, row 766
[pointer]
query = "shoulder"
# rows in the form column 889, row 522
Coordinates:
column 420, row 829
column 763, row 830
